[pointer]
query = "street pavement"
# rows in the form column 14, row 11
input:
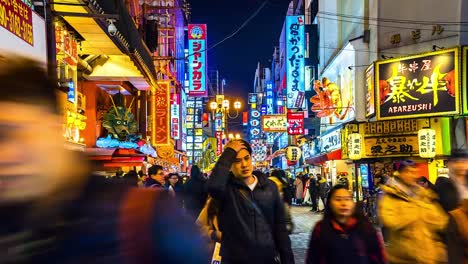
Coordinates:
column 304, row 221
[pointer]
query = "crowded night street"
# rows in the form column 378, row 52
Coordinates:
column 234, row 132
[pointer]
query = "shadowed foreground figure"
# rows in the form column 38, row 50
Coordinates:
column 53, row 211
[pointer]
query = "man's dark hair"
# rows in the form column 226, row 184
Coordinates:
column 247, row 145
column 153, row 170
column 25, row 80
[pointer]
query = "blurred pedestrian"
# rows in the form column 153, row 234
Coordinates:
column 299, row 190
column 131, row 178
column 323, row 189
column 251, row 212
column 413, row 219
column 313, row 191
column 279, row 178
column 53, row 210
column 195, row 192
column 344, row 235
column 457, row 230
column 155, row 177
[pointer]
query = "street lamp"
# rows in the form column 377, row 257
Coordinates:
column 224, row 107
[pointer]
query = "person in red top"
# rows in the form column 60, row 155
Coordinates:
column 344, row 235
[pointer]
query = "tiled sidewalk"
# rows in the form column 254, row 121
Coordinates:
column 304, row 220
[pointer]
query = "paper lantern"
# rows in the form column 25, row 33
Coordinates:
column 293, row 153
column 354, row 146
column 427, row 143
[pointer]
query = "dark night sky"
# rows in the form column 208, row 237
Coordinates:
column 237, row 58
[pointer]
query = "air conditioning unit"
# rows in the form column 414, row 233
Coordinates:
column 81, row 102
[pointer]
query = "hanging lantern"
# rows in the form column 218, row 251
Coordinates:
column 354, row 146
column 293, row 153
column 427, row 143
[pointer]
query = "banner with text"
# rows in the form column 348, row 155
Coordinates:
column 295, row 61
column 418, row 86
column 197, row 60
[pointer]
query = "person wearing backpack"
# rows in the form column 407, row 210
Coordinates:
column 344, row 235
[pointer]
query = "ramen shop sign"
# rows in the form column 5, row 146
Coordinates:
column 197, row 62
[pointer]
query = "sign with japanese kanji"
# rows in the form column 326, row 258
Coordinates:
column 427, row 143
column 197, row 62
column 295, row 61
column 418, row 86
column 295, row 123
column 175, row 117
column 161, row 117
column 219, row 143
column 16, row 17
column 404, row 145
column 293, row 153
column 274, row 123
column 355, row 146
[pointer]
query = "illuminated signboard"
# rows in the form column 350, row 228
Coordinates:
column 197, row 61
column 161, row 115
column 334, row 101
column 16, row 17
column 295, row 123
column 269, row 97
column 255, row 127
column 465, row 79
column 391, row 146
column 330, row 141
column 175, row 117
column 219, row 143
column 183, row 117
column 274, row 123
column 370, row 91
column 418, row 86
column 295, row 62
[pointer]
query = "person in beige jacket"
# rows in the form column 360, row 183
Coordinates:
column 413, row 220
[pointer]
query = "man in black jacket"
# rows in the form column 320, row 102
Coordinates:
column 251, row 214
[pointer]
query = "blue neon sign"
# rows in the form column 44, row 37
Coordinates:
column 295, row 62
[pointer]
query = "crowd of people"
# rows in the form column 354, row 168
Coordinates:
column 55, row 210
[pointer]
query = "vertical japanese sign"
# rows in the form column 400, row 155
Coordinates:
column 66, row 46
column 269, row 97
column 295, row 123
column 219, row 143
column 295, row 62
column 175, row 117
column 370, row 91
column 418, row 86
column 161, row 128
column 183, row 102
column 16, row 17
column 197, row 62
column 255, row 124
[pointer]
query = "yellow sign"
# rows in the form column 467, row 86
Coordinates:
column 391, row 146
column 274, row 123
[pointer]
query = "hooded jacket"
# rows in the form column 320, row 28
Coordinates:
column 249, row 235
column 414, row 221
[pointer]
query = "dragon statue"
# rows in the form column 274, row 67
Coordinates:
column 119, row 120
column 120, row 123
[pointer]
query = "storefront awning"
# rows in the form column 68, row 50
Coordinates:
column 115, row 157
column 334, row 155
column 97, row 41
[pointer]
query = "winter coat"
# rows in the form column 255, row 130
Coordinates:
column 152, row 183
column 457, row 235
column 323, row 188
column 313, row 188
column 299, row 188
column 252, row 222
column 106, row 223
column 413, row 221
column 195, row 194
column 332, row 243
